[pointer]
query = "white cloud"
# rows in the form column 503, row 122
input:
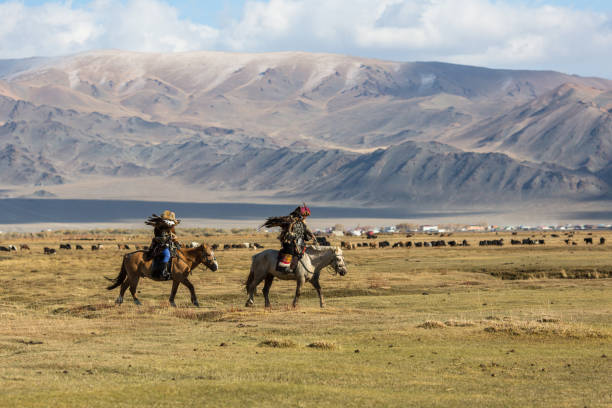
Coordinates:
column 478, row 32
column 57, row 28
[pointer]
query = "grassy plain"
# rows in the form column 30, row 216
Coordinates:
column 510, row 326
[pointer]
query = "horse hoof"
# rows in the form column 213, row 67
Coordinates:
column 196, row 304
column 118, row 301
column 137, row 302
column 248, row 304
column 172, row 304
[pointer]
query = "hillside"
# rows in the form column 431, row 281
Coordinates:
column 331, row 127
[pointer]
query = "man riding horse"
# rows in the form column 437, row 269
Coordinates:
column 164, row 244
column 293, row 237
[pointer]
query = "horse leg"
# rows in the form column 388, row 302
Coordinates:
column 317, row 286
column 175, row 285
column 251, row 290
column 133, row 286
column 299, row 282
column 189, row 285
column 122, row 290
column 266, row 289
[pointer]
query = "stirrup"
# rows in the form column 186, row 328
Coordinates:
column 166, row 274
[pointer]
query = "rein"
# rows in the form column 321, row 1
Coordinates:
column 305, row 267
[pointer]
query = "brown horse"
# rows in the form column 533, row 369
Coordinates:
column 135, row 266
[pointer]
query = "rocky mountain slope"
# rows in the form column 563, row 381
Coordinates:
column 331, row 127
column 570, row 126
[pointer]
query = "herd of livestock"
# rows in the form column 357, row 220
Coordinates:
column 323, row 241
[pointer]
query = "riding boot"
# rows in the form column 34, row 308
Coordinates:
column 160, row 271
column 165, row 271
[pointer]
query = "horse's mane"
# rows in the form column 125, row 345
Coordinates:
column 194, row 248
column 321, row 248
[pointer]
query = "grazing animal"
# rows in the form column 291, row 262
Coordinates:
column 257, row 245
column 263, row 267
column 226, row 246
column 5, row 249
column 135, row 266
column 95, row 247
column 79, row 247
column 24, row 247
column 65, row 246
column 384, row 244
column 492, row 242
column 126, row 246
column 588, row 241
column 49, row 251
column 602, row 241
column 323, row 241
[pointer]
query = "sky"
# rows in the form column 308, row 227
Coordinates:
column 574, row 37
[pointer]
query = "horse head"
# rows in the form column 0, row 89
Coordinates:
column 339, row 264
column 209, row 259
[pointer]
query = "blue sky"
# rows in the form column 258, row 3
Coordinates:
column 216, row 12
column 569, row 36
column 210, row 12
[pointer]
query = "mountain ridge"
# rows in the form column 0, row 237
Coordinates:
column 336, row 128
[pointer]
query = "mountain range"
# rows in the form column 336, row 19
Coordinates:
column 292, row 126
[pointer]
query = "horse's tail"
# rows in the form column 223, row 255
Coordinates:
column 120, row 278
column 251, row 276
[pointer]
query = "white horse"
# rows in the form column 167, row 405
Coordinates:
column 308, row 269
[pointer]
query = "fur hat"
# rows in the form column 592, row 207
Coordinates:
column 169, row 216
column 301, row 211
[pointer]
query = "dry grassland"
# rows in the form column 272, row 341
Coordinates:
column 513, row 326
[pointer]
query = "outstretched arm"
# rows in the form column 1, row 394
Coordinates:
column 310, row 235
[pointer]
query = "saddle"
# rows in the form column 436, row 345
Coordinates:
column 286, row 262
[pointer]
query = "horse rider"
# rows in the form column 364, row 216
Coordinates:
column 293, row 237
column 164, row 244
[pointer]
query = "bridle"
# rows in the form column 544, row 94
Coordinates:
column 206, row 260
